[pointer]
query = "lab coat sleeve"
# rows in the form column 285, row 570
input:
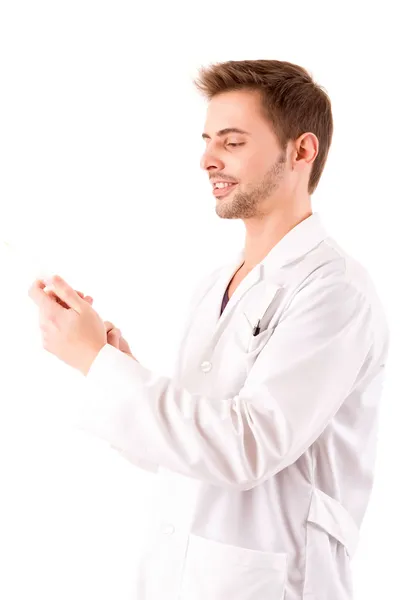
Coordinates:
column 298, row 382
column 101, row 429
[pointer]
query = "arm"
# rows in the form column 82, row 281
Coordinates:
column 296, row 385
column 114, row 338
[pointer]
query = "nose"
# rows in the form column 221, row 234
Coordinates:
column 210, row 161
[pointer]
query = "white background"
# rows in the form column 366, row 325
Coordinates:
column 100, row 143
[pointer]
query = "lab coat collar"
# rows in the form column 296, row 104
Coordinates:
column 266, row 275
column 305, row 236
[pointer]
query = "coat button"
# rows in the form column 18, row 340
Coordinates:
column 168, row 529
column 206, row 366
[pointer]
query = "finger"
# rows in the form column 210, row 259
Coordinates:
column 113, row 337
column 56, row 299
column 108, row 325
column 40, row 297
column 124, row 347
column 87, row 299
column 114, row 332
column 66, row 293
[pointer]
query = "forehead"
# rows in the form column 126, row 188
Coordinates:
column 239, row 108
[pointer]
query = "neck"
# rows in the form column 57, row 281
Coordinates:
column 262, row 236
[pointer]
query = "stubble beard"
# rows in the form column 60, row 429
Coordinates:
column 247, row 204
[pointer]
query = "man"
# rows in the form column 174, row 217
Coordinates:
column 264, row 440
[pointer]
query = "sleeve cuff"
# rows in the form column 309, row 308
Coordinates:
column 114, row 380
column 115, row 368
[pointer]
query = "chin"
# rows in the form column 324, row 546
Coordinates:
column 224, row 212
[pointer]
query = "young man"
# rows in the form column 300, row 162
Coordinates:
column 264, row 440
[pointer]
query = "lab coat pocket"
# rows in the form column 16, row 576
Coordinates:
column 262, row 310
column 328, row 515
column 216, row 571
column 332, row 537
column 250, row 345
column 257, row 342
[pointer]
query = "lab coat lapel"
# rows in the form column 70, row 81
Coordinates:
column 259, row 288
column 256, row 291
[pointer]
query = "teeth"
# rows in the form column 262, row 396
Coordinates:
column 222, row 185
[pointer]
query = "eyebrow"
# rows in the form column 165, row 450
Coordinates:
column 222, row 132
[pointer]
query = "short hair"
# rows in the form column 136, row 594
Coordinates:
column 293, row 103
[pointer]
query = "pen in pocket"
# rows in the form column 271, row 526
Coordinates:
column 256, row 329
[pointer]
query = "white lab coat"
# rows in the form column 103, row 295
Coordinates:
column 263, row 446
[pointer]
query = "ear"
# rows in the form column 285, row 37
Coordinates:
column 307, row 146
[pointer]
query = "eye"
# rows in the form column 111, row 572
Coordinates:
column 232, row 144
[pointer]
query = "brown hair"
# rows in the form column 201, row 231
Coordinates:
column 293, row 103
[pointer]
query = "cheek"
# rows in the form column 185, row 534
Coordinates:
column 251, row 167
column 260, row 165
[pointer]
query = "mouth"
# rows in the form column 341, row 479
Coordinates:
column 224, row 190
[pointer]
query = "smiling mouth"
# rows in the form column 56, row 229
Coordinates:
column 224, row 190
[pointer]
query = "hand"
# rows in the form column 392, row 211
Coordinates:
column 87, row 299
column 114, row 335
column 114, row 338
column 72, row 330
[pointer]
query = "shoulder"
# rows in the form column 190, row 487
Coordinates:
column 329, row 263
column 331, row 283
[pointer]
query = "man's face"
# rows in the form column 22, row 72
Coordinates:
column 257, row 166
